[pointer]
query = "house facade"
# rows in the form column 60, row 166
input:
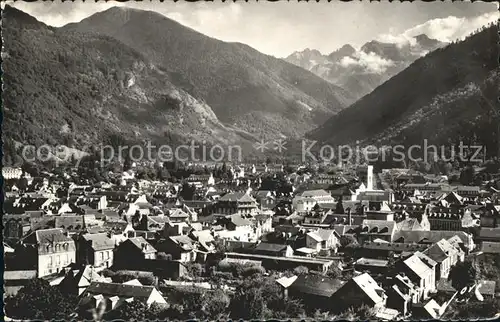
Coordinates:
column 95, row 250
column 51, row 249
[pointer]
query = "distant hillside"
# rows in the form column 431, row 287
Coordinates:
column 360, row 72
column 448, row 96
column 86, row 89
column 246, row 89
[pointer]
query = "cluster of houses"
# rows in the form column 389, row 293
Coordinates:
column 406, row 239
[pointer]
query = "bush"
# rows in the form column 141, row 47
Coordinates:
column 123, row 276
column 37, row 300
column 253, row 270
column 300, row 270
column 194, row 270
column 223, row 275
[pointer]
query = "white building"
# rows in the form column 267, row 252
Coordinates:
column 306, row 200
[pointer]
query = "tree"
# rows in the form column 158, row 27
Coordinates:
column 348, row 241
column 187, row 191
column 38, row 300
column 128, row 311
column 467, row 175
column 462, row 274
column 474, row 309
column 247, row 303
column 194, row 270
column 334, row 271
column 216, row 304
column 339, row 209
column 362, row 313
column 127, row 162
column 300, row 270
column 157, row 311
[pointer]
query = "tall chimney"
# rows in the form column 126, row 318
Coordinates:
column 369, row 178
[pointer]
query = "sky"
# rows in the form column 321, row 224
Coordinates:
column 280, row 28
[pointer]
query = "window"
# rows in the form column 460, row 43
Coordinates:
column 58, row 260
column 50, row 261
column 102, row 256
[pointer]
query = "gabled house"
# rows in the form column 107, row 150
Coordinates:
column 109, row 296
column 278, row 250
column 358, row 291
column 236, row 203
column 402, row 294
column 177, row 215
column 316, row 291
column 266, row 199
column 181, row 248
column 306, row 200
column 372, row 229
column 238, row 226
column 133, row 251
column 95, row 250
column 73, row 224
column 420, row 274
column 322, row 240
column 47, row 250
column 430, row 237
column 445, row 255
column 75, row 281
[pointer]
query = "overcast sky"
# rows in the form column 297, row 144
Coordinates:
column 280, row 28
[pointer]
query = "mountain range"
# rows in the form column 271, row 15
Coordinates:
column 130, row 75
column 123, row 76
column 361, row 71
column 448, row 96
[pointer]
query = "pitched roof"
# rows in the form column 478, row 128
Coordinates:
column 393, row 246
column 490, row 247
column 378, row 226
column 99, row 241
column 316, row 285
column 237, row 196
column 431, row 236
column 121, row 290
column 87, row 275
column 139, row 242
column 19, row 275
column 184, row 241
column 314, row 235
column 486, row 232
column 314, row 193
column 53, row 235
column 269, row 247
column 159, row 219
column 70, row 223
column 426, row 259
column 372, row 262
column 177, row 213
column 369, row 287
column 238, row 220
column 417, row 266
column 286, row 281
column 409, row 224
